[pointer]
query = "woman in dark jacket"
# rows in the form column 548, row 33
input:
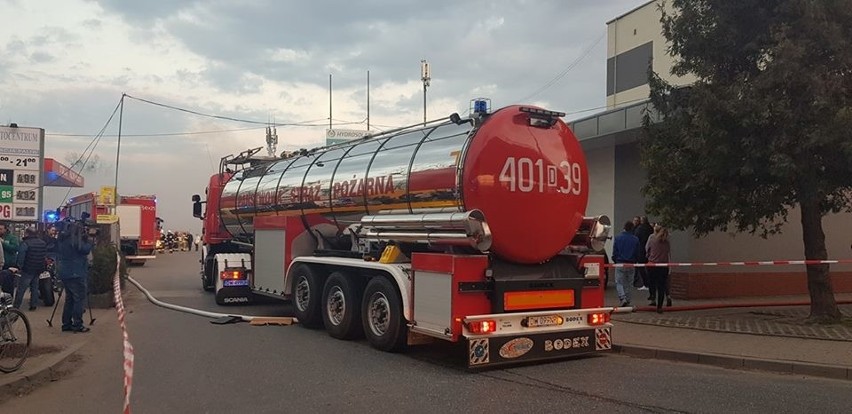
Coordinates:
column 658, row 250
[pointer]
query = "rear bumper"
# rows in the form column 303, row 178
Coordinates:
column 487, row 351
column 140, row 257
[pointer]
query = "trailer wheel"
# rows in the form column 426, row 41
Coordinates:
column 307, row 296
column 341, row 313
column 381, row 314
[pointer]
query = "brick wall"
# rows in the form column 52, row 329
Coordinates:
column 736, row 284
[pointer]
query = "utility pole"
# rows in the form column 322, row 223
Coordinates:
column 425, row 76
column 118, row 150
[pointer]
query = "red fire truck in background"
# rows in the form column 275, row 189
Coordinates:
column 137, row 218
column 464, row 229
column 138, row 225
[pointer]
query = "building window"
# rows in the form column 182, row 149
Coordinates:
column 629, row 69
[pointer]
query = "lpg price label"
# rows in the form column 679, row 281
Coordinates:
column 6, row 211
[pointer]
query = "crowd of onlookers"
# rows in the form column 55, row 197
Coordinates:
column 37, row 260
column 640, row 242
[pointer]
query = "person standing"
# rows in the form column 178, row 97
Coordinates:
column 73, row 247
column 197, row 241
column 10, row 246
column 625, row 250
column 659, row 251
column 31, row 255
column 46, row 285
column 10, row 256
column 643, row 231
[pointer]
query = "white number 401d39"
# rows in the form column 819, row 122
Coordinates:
column 525, row 175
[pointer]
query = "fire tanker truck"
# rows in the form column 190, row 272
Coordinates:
column 463, row 229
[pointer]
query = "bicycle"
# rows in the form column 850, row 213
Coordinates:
column 15, row 335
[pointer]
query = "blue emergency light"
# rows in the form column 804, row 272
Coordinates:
column 51, row 216
column 480, row 106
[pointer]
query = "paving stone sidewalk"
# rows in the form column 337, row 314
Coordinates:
column 782, row 321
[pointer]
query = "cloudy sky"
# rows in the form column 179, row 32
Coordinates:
column 64, row 65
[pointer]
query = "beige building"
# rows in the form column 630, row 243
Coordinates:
column 635, row 41
column 610, row 140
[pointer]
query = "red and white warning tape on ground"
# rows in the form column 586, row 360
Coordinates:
column 128, row 348
column 750, row 263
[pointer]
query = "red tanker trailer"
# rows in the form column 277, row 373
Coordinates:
column 464, row 229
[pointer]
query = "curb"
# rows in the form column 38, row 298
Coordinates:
column 44, row 371
column 737, row 362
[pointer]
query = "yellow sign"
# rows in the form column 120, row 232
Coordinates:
column 107, row 196
column 107, row 218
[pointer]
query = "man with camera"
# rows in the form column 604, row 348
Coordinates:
column 31, row 254
column 72, row 248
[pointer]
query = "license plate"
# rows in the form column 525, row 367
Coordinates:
column 546, row 320
column 235, row 283
column 44, row 275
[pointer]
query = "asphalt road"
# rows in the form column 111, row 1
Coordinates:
column 186, row 364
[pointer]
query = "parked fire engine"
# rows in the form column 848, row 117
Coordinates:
column 139, row 229
column 463, row 229
column 138, row 223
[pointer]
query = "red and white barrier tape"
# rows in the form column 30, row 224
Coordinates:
column 128, row 348
column 749, row 263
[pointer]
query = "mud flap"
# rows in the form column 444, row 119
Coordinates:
column 490, row 351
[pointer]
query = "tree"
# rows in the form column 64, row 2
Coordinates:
column 766, row 126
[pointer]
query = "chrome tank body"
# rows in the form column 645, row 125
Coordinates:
column 521, row 167
column 406, row 171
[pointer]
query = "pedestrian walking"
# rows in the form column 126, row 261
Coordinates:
column 625, row 250
column 73, row 248
column 31, row 254
column 197, row 242
column 658, row 250
column 643, row 231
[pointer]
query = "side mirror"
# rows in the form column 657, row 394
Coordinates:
column 196, row 206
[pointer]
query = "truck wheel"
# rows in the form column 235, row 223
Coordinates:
column 381, row 314
column 307, row 296
column 341, row 313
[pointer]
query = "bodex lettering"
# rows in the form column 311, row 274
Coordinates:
column 566, row 343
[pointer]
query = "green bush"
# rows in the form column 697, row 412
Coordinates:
column 102, row 272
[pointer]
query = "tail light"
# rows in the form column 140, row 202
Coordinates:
column 598, row 318
column 232, row 274
column 482, row 327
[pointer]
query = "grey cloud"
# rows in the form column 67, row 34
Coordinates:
column 41, row 57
